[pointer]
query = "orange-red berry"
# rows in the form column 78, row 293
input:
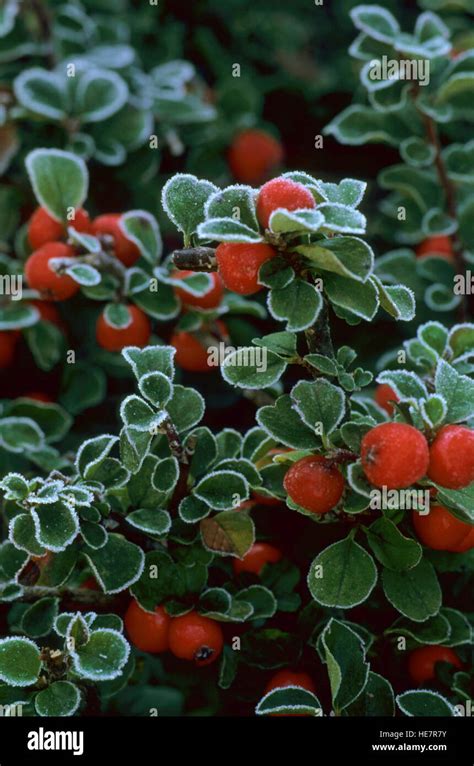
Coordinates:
column 41, row 276
column 440, row 245
column 148, row 631
column 452, row 457
column 385, row 396
column 314, row 483
column 48, row 312
column 289, row 678
column 422, row 662
column 8, row 342
column 137, row 333
column 253, row 155
column 282, row 193
column 194, row 637
column 125, row 250
column 256, row 558
column 210, row 300
column 191, row 354
column 43, row 228
column 239, row 265
column 439, row 529
column 394, row 455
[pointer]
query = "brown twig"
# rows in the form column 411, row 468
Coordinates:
column 196, row 259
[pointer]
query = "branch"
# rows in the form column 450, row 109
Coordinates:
column 196, row 259
column 318, row 337
column 45, row 29
column 175, row 443
column 82, row 595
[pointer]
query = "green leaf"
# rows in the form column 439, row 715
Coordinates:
column 41, row 92
column 142, row 229
column 62, row 698
column 56, row 525
column 289, row 700
column 38, row 619
column 376, row 699
column 284, row 221
column 360, row 125
column 156, row 387
column 252, row 368
column 392, row 549
column 19, row 661
column 136, row 413
column 18, row 316
column 237, row 202
column 228, row 534
column 99, row 94
column 227, row 230
column 342, row 575
column 415, row 593
column 319, row 404
column 433, row 631
column 184, row 198
column 153, row 522
column 83, row 274
column 261, row 599
column 150, row 359
column 376, row 22
column 348, row 192
column 283, row 344
column 20, row 434
column 359, row 299
column 185, row 408
column 283, row 423
column 92, row 453
column 345, row 658
column 347, row 256
column 396, row 300
column 342, row 218
column 299, row 303
column 117, row 565
column 103, row 657
column 457, row 390
column 60, row 180
column 222, row 490
column 422, row 702
column 14, row 486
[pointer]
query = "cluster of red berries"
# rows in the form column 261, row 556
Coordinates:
column 239, row 263
column 189, row 637
column 47, row 238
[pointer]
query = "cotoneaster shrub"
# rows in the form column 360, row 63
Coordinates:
column 253, row 588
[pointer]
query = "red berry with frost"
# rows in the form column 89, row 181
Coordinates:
column 253, row 155
column 148, row 631
column 195, row 637
column 210, row 300
column 394, row 455
column 43, row 228
column 282, row 193
column 41, row 276
column 314, row 483
column 239, row 265
column 256, row 558
column 452, row 457
column 385, row 396
column 137, row 333
column 126, row 251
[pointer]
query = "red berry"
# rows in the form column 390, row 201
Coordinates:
column 239, row 265
column 256, row 558
column 43, row 228
column 48, row 312
column 384, row 396
column 288, row 678
column 115, row 339
column 284, row 193
column 8, row 342
column 40, row 276
column 422, row 662
column 90, row 584
column 125, row 250
column 194, row 637
column 441, row 245
column 266, row 499
column 314, row 483
column 191, row 355
column 210, row 300
column 38, row 396
column 148, row 631
column 452, row 457
column 253, row 155
column 439, row 529
column 394, row 455
column 466, row 544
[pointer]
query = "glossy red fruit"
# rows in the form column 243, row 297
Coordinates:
column 115, row 339
column 190, row 355
column 43, row 228
column 40, row 276
column 194, row 637
column 253, row 155
column 239, row 265
column 148, row 631
column 8, row 341
column 289, row 678
column 422, row 662
column 394, row 455
column 385, row 396
column 125, row 250
column 284, row 193
column 439, row 529
column 48, row 312
column 452, row 457
column 314, row 483
column 208, row 301
column 441, row 245
column 466, row 544
column 256, row 558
